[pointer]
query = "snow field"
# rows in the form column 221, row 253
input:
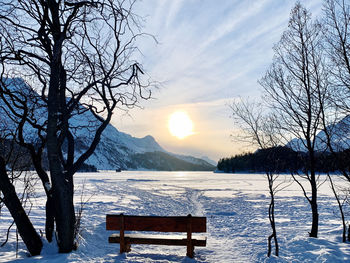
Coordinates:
column 235, row 206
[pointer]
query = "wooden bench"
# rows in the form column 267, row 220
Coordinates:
column 188, row 224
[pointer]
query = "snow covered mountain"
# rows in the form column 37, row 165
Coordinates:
column 340, row 138
column 121, row 150
column 116, row 150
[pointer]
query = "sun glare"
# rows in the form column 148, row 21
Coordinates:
column 180, row 125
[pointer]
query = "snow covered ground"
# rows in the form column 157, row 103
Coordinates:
column 235, row 206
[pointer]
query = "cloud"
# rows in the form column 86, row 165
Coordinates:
column 187, row 59
column 209, row 52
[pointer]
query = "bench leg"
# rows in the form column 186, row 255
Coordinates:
column 127, row 247
column 122, row 247
column 190, row 252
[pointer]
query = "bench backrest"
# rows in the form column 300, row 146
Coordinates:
column 156, row 223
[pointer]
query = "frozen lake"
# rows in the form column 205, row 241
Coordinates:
column 235, row 205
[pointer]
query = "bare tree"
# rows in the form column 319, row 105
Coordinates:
column 294, row 85
column 23, row 109
column 337, row 44
column 336, row 22
column 258, row 130
column 78, row 56
column 15, row 205
column 340, row 205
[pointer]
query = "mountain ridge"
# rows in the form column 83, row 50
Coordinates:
column 340, row 138
column 116, row 149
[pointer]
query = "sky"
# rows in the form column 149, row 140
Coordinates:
column 207, row 54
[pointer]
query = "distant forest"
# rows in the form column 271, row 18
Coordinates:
column 162, row 161
column 19, row 158
column 282, row 160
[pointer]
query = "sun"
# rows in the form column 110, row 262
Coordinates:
column 180, row 125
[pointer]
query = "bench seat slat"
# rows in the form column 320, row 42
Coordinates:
column 156, row 223
column 174, row 240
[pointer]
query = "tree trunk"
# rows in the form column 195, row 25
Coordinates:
column 25, row 228
column 65, row 215
column 314, row 227
column 272, row 219
column 313, row 183
column 62, row 190
column 50, row 218
column 314, row 208
column 62, row 181
column 49, row 207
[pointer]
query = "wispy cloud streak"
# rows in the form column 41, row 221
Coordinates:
column 208, row 52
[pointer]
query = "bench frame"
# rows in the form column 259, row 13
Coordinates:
column 187, row 224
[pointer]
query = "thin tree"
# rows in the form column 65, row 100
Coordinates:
column 256, row 129
column 291, row 85
column 340, row 206
column 336, row 31
column 13, row 203
column 22, row 108
column 78, row 56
